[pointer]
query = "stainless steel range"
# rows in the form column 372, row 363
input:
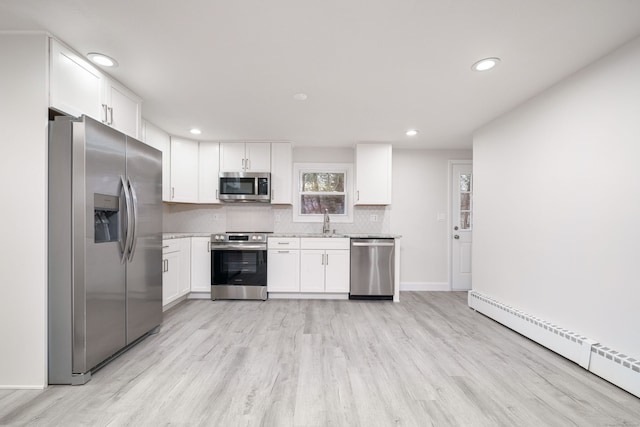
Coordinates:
column 239, row 266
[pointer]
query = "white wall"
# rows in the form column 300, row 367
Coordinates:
column 23, row 171
column 420, row 193
column 557, row 203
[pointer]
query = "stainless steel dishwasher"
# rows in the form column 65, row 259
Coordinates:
column 372, row 269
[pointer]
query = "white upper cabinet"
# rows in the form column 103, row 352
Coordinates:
column 245, row 157
column 76, row 87
column 184, row 170
column 258, row 157
column 160, row 140
column 281, row 173
column 208, row 164
column 373, row 174
column 123, row 108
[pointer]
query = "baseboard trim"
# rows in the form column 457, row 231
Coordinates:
column 613, row 366
column 298, row 295
column 199, row 295
column 22, row 387
column 424, row 286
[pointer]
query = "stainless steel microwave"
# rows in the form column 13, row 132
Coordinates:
column 245, row 187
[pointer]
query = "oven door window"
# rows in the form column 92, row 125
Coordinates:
column 231, row 267
column 241, row 186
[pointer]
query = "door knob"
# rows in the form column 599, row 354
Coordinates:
column 456, row 237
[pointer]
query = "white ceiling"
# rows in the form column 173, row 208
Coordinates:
column 372, row 68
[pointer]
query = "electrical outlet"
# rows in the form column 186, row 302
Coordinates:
column 276, row 218
column 373, row 218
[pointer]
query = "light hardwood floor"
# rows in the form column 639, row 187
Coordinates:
column 428, row 360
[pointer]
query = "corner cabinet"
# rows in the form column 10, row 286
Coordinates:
column 160, row 140
column 76, row 87
column 373, row 174
column 324, row 265
column 184, row 170
column 245, row 157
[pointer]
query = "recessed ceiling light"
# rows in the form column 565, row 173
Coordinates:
column 411, row 132
column 300, row 96
column 485, row 64
column 101, row 59
column 195, row 131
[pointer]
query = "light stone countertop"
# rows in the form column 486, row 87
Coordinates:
column 178, row 235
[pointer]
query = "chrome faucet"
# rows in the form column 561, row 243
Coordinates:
column 326, row 228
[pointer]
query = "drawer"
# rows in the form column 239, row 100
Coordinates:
column 283, row 243
column 171, row 245
column 324, row 243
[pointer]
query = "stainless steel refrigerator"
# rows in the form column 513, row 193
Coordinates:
column 105, row 245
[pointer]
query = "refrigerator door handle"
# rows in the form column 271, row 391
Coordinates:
column 129, row 221
column 134, row 229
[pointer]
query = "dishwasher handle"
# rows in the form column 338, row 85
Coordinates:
column 372, row 244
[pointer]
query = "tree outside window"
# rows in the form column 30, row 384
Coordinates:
column 322, row 187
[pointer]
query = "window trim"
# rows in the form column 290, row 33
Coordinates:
column 347, row 168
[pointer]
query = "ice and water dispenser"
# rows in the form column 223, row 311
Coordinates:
column 106, row 217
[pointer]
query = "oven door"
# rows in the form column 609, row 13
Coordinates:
column 239, row 265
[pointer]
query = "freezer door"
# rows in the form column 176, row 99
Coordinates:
column 99, row 274
column 144, row 260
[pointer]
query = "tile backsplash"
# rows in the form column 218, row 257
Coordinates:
column 267, row 218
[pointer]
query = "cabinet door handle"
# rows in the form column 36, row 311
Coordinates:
column 104, row 112
column 327, row 263
column 357, row 195
column 110, row 122
column 322, row 259
column 283, row 243
column 217, row 197
column 243, row 163
column 248, row 164
column 283, row 252
column 173, row 192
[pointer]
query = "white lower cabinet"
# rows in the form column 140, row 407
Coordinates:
column 324, row 265
column 201, row 264
column 283, row 261
column 337, row 272
column 308, row 265
column 176, row 272
column 170, row 277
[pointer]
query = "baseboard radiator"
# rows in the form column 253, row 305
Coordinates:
column 615, row 367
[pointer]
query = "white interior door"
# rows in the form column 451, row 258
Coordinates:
column 461, row 224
